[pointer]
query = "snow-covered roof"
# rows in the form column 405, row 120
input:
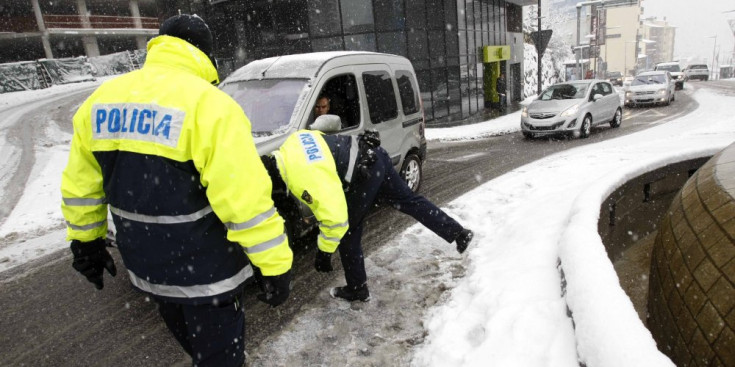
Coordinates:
column 297, row 66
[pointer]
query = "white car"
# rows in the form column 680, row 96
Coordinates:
column 572, row 108
column 676, row 73
column 697, row 71
column 651, row 87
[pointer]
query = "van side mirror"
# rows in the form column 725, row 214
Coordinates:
column 327, row 124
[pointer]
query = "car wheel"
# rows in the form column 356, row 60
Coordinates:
column 668, row 100
column 586, row 127
column 617, row 119
column 411, row 172
column 673, row 97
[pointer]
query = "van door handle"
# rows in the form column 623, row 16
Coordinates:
column 413, row 121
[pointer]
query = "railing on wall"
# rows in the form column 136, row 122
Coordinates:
column 98, row 21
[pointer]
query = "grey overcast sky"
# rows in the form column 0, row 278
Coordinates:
column 695, row 22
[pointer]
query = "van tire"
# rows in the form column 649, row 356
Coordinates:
column 411, row 172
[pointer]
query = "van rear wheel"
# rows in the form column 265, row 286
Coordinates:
column 411, row 172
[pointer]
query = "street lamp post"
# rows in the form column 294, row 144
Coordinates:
column 714, row 47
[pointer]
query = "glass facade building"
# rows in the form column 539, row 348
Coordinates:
column 442, row 38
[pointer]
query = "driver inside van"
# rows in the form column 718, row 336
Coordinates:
column 321, row 107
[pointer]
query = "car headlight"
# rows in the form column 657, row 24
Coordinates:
column 571, row 111
column 628, row 94
column 662, row 91
column 524, row 112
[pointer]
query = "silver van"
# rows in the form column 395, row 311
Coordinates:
column 366, row 90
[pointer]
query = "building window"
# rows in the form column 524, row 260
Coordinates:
column 389, row 15
column 415, row 14
column 515, row 18
column 324, row 17
column 326, row 44
column 392, row 43
column 360, row 42
column 357, row 16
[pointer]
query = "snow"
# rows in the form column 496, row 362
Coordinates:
column 503, row 304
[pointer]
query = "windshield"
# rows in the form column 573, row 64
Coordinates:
column 268, row 103
column 565, row 91
column 649, row 79
column 698, row 67
column 673, row 68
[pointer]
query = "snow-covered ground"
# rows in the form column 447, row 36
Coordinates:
column 502, row 303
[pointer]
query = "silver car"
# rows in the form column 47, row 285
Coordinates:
column 651, row 87
column 572, row 108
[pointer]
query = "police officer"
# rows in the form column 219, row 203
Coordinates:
column 315, row 167
column 173, row 158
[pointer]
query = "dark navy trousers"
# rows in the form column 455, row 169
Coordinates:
column 213, row 335
column 384, row 185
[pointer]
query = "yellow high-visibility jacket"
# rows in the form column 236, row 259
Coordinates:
column 307, row 166
column 174, row 158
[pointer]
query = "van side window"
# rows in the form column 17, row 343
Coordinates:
column 409, row 97
column 344, row 100
column 381, row 98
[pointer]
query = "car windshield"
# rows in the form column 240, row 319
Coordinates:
column 565, row 91
column 698, row 67
column 673, row 68
column 268, row 103
column 649, row 79
column 614, row 74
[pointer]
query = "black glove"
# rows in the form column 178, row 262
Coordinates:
column 370, row 138
column 275, row 288
column 366, row 161
column 323, row 261
column 91, row 258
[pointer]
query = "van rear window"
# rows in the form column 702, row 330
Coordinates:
column 409, row 97
column 381, row 98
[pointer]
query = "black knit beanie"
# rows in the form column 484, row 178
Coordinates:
column 192, row 29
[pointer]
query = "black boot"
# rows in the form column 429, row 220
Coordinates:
column 463, row 240
column 348, row 293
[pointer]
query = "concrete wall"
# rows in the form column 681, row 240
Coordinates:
column 691, row 300
column 635, row 210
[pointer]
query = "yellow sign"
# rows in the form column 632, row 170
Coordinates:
column 495, row 53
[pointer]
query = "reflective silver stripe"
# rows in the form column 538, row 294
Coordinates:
column 83, row 202
column 87, row 226
column 251, row 223
column 344, row 224
column 264, row 246
column 192, row 291
column 353, row 158
column 162, row 219
column 333, row 239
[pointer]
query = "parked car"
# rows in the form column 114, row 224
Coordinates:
column 615, row 77
column 651, row 87
column 572, row 108
column 676, row 73
column 367, row 90
column 697, row 71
